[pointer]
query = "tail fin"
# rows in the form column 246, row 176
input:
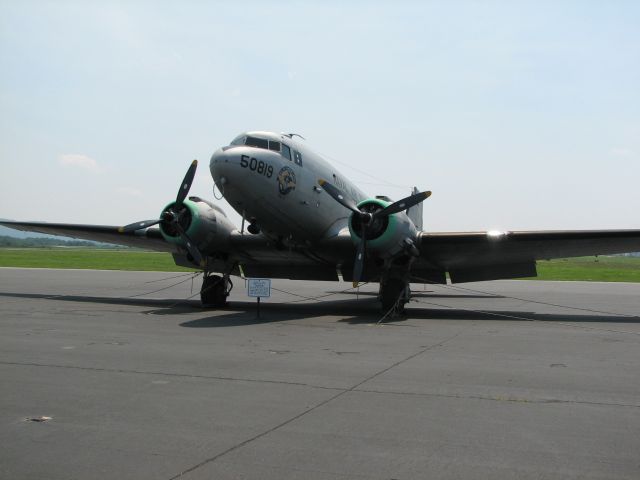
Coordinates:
column 415, row 212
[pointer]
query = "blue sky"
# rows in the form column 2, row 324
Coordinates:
column 518, row 115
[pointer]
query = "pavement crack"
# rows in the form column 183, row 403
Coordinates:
column 169, row 374
column 400, row 362
column 315, row 407
column 499, row 398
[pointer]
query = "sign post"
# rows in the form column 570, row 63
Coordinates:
column 259, row 288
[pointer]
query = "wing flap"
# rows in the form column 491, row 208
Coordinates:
column 493, row 272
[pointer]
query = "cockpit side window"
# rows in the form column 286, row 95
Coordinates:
column 297, row 157
column 239, row 140
column 257, row 142
column 273, row 145
column 286, row 151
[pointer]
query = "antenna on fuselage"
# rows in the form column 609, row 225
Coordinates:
column 291, row 135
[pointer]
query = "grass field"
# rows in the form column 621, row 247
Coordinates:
column 595, row 269
column 89, row 258
column 602, row 269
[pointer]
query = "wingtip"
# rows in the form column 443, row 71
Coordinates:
column 321, row 182
column 121, row 229
column 195, row 162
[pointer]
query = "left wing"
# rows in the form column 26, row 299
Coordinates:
column 150, row 238
column 475, row 256
column 465, row 256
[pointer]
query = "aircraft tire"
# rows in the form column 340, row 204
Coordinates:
column 390, row 292
column 212, row 292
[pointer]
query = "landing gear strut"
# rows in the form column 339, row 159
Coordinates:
column 394, row 292
column 215, row 290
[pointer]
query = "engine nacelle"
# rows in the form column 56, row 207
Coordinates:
column 207, row 226
column 386, row 236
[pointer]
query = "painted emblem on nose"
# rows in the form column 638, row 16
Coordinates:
column 286, row 180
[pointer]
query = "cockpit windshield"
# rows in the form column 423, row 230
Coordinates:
column 257, row 142
column 263, row 143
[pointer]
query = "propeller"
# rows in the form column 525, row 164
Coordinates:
column 367, row 219
column 339, row 196
column 186, row 183
column 173, row 215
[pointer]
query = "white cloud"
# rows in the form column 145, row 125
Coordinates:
column 76, row 160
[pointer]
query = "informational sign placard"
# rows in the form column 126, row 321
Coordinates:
column 259, row 287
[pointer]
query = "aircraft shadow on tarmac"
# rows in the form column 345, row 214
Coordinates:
column 352, row 311
column 143, row 302
column 420, row 294
column 245, row 314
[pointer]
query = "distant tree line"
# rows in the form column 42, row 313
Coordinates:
column 32, row 242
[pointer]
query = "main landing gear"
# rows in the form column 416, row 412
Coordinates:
column 253, row 227
column 215, row 290
column 394, row 292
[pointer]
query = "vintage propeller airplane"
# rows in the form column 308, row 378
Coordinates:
column 307, row 221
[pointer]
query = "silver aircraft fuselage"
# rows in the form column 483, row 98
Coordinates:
column 278, row 187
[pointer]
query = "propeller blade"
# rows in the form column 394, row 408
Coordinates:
column 358, row 266
column 403, row 204
column 138, row 225
column 339, row 196
column 186, row 183
column 191, row 247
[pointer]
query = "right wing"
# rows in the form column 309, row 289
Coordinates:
column 150, row 238
column 244, row 254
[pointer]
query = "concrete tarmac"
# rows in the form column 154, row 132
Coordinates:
column 506, row 379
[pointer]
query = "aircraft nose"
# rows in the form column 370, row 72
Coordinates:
column 219, row 156
column 220, row 164
column 245, row 170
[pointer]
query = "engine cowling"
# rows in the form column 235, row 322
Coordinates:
column 386, row 236
column 207, row 227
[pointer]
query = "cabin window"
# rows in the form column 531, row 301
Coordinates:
column 297, row 157
column 286, row 151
